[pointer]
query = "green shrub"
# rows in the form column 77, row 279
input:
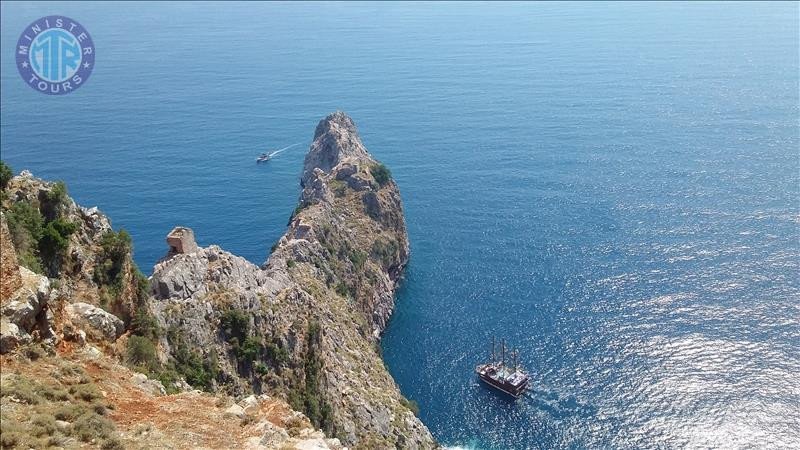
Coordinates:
column 43, row 425
column 116, row 248
column 26, row 225
column 198, row 371
column 70, row 412
column 109, row 273
column 145, row 324
column 85, row 392
column 5, row 174
column 276, row 353
column 25, row 221
column 91, row 426
column 12, row 434
column 290, row 263
column 55, row 241
column 142, row 353
column 33, row 351
column 53, row 394
column 112, row 443
column 168, row 377
column 250, row 349
column 358, row 258
column 53, row 201
column 343, row 289
column 314, row 404
column 20, row 388
column 261, row 369
column 381, row 173
column 31, row 262
column 235, row 324
column 58, row 193
column 338, row 187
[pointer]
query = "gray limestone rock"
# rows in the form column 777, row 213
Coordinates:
column 96, row 320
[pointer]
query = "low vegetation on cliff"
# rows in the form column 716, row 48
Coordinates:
column 39, row 230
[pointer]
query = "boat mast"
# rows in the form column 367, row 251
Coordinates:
column 494, row 358
column 515, row 359
column 503, row 347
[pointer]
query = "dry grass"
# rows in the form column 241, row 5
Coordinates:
column 105, row 410
column 36, row 393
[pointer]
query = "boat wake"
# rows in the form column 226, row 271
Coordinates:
column 560, row 407
column 271, row 155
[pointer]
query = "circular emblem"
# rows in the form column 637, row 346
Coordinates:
column 55, row 55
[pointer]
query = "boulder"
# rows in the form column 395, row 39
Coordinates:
column 92, row 352
column 249, row 402
column 345, row 170
column 360, row 182
column 95, row 220
column 153, row 387
column 28, row 301
column 273, row 437
column 235, row 410
column 23, row 310
column 11, row 336
column 102, row 322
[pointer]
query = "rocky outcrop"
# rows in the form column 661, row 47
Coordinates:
column 335, row 139
column 77, row 269
column 102, row 324
column 313, row 313
column 23, row 298
column 24, row 316
column 32, row 309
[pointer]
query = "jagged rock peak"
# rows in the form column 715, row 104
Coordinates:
column 335, row 139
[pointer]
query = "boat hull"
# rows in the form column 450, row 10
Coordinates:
column 489, row 375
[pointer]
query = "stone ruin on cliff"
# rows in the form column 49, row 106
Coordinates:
column 181, row 240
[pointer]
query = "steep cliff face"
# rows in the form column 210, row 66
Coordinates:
column 306, row 325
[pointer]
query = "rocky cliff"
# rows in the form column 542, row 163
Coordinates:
column 68, row 280
column 300, row 331
column 63, row 268
column 306, row 324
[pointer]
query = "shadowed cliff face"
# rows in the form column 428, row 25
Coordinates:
column 307, row 323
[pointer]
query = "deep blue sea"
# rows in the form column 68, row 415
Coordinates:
column 613, row 188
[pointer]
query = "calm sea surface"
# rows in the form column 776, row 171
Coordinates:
column 613, row 188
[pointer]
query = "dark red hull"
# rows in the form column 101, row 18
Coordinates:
column 511, row 383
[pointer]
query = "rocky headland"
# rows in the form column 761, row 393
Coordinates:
column 288, row 351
